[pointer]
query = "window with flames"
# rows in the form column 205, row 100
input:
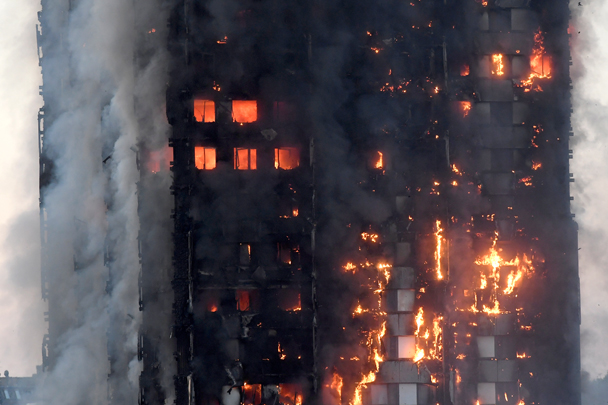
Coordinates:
column 204, row 110
column 244, row 111
column 245, row 159
column 205, row 158
column 286, row 158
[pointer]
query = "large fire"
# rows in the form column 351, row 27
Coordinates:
column 204, row 110
column 244, row 111
column 204, row 158
column 494, row 262
column 540, row 64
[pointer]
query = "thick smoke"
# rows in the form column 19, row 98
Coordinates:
column 93, row 137
column 590, row 165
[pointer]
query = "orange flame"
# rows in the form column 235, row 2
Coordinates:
column 438, row 238
column 465, row 70
column 540, row 64
column 244, row 111
column 498, row 65
column 371, row 236
column 380, row 162
column 536, row 165
column 466, row 108
column 336, row 384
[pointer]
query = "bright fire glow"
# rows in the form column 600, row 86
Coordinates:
column 245, row 159
column 493, row 260
column 204, row 110
column 369, row 236
column 498, row 67
column 438, row 249
column 336, row 384
column 536, row 165
column 465, row 106
column 465, row 70
column 526, row 181
column 244, row 111
column 540, row 64
column 380, row 162
column 286, row 158
column 204, row 158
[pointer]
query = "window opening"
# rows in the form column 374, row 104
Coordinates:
column 286, row 158
column 245, row 159
column 204, row 110
column 204, row 158
column 244, row 111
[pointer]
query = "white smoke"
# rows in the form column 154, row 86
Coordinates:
column 590, row 168
column 92, row 206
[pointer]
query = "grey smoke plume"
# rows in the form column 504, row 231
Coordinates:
column 92, row 203
column 590, row 165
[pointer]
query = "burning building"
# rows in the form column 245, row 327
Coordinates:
column 356, row 203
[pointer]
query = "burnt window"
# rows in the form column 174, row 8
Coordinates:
column 204, row 110
column 244, row 111
column 286, row 158
column 244, row 254
column 211, row 301
column 252, row 394
column 245, row 159
column 501, row 114
column 283, row 112
column 289, row 300
column 204, row 158
column 284, row 253
column 243, row 300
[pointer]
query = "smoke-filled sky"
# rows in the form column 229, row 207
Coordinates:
column 21, row 308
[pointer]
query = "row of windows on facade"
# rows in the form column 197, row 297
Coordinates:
column 205, row 158
column 242, row 111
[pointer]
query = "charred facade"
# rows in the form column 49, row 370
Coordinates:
column 369, row 204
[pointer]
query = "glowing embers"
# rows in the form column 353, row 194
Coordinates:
column 498, row 67
column 465, row 70
column 245, row 159
column 204, row 110
column 286, row 158
column 244, row 111
column 204, row 158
